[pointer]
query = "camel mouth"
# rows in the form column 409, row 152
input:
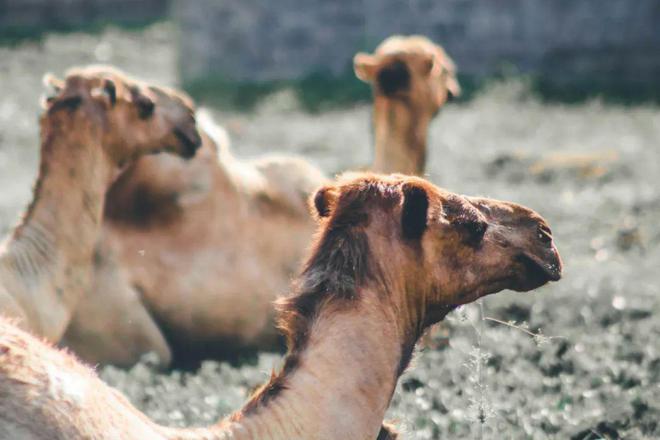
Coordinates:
column 190, row 141
column 536, row 273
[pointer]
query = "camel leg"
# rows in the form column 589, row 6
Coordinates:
column 111, row 324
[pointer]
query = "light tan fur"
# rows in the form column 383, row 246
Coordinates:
column 411, row 78
column 219, row 245
column 392, row 256
column 89, row 129
column 220, row 237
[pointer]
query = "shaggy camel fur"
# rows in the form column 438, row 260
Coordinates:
column 392, row 256
column 98, row 121
column 200, row 248
column 411, row 79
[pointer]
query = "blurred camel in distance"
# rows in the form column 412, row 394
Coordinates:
column 97, row 121
column 393, row 255
column 204, row 246
column 411, row 78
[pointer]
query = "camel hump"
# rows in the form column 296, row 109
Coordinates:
column 213, row 130
column 289, row 181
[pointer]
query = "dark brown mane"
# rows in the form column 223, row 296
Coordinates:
column 338, row 265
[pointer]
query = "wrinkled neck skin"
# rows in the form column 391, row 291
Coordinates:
column 400, row 132
column 45, row 262
column 341, row 389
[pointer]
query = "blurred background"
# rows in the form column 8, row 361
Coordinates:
column 560, row 113
column 570, row 49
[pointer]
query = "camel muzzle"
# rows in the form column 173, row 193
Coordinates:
column 539, row 268
column 190, row 142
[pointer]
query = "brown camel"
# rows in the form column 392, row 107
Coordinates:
column 411, row 79
column 209, row 284
column 392, row 256
column 97, row 121
column 200, row 248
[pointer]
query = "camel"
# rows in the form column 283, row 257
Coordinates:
column 98, row 121
column 411, row 78
column 199, row 248
column 392, row 256
column 209, row 284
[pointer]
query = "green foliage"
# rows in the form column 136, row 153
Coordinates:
column 315, row 92
column 610, row 91
column 318, row 91
column 13, row 35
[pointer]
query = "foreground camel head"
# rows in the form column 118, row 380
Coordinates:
column 439, row 248
column 412, row 69
column 136, row 118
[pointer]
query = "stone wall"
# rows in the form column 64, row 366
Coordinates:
column 30, row 17
column 605, row 41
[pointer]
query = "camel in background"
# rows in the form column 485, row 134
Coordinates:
column 392, row 256
column 411, row 78
column 202, row 248
column 97, row 122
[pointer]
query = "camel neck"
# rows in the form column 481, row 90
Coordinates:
column 47, row 257
column 342, row 386
column 400, row 132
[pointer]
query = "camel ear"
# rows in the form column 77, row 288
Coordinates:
column 453, row 87
column 324, row 200
column 107, row 93
column 428, row 64
column 54, row 86
column 49, row 80
column 448, row 65
column 365, row 66
column 415, row 210
column 111, row 91
column 145, row 105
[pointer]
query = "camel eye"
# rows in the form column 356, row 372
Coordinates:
column 544, row 233
column 145, row 106
column 475, row 232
